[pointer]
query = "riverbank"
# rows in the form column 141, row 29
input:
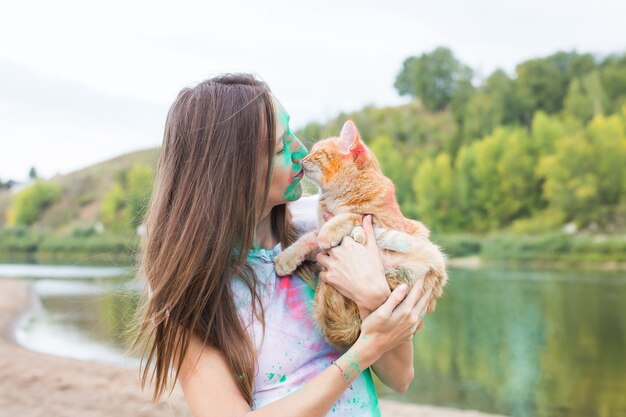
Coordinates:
column 34, row 384
column 556, row 250
column 475, row 262
column 544, row 251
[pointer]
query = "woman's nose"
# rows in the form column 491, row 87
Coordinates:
column 300, row 153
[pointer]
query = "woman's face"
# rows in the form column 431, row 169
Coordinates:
column 287, row 161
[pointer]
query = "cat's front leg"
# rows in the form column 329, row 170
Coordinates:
column 337, row 228
column 290, row 258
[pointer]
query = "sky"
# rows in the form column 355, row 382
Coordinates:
column 82, row 82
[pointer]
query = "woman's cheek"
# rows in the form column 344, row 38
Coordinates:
column 280, row 177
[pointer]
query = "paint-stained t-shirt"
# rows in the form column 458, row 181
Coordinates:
column 293, row 350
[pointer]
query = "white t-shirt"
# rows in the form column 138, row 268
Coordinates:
column 294, row 350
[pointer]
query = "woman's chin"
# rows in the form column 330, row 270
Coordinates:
column 294, row 192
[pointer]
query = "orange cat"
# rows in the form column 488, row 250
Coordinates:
column 353, row 185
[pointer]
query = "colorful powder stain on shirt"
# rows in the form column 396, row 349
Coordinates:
column 293, row 350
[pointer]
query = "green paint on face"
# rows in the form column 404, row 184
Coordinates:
column 283, row 378
column 291, row 155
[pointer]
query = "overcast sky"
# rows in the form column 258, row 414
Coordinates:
column 81, row 82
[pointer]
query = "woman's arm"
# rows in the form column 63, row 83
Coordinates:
column 395, row 367
column 210, row 389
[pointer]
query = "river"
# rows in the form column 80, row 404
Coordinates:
column 510, row 341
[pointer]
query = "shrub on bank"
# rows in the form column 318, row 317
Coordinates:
column 457, row 246
column 555, row 247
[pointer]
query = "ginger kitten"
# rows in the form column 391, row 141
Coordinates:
column 352, row 185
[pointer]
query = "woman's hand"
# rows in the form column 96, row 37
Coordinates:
column 357, row 271
column 396, row 321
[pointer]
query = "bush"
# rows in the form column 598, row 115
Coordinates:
column 458, row 245
column 29, row 203
column 555, row 247
column 19, row 239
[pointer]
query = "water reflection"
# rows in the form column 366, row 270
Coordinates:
column 521, row 343
column 78, row 317
column 88, row 322
column 526, row 344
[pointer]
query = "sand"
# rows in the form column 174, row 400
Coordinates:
column 34, row 384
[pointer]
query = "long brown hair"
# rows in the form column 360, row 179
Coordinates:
column 206, row 202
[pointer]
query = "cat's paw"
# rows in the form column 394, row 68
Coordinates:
column 358, row 234
column 285, row 265
column 327, row 240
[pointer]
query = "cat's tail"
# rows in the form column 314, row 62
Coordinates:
column 337, row 316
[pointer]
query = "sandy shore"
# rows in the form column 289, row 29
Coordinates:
column 34, row 384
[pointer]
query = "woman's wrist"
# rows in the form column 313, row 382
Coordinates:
column 365, row 351
column 363, row 312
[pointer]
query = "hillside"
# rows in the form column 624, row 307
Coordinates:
column 82, row 191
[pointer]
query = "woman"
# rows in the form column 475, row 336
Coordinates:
column 239, row 339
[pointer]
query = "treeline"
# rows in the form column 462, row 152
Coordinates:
column 526, row 153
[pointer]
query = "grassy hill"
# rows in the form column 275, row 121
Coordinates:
column 82, row 192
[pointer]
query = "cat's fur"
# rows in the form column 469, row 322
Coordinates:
column 353, row 185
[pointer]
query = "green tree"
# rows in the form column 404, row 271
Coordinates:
column 608, row 136
column 433, row 185
column 571, row 185
column 139, row 189
column 546, row 130
column 28, row 204
column 397, row 164
column 113, row 213
column 613, row 74
column 496, row 179
column 432, row 77
column 124, row 205
column 494, row 104
column 542, row 83
column 584, row 177
column 474, row 216
column 586, row 97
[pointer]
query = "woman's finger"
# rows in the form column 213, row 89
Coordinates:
column 423, row 302
column 322, row 259
column 415, row 293
column 370, row 235
column 395, row 298
column 334, row 253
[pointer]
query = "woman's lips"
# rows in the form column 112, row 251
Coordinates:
column 300, row 174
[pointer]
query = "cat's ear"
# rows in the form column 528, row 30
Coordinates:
column 351, row 140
